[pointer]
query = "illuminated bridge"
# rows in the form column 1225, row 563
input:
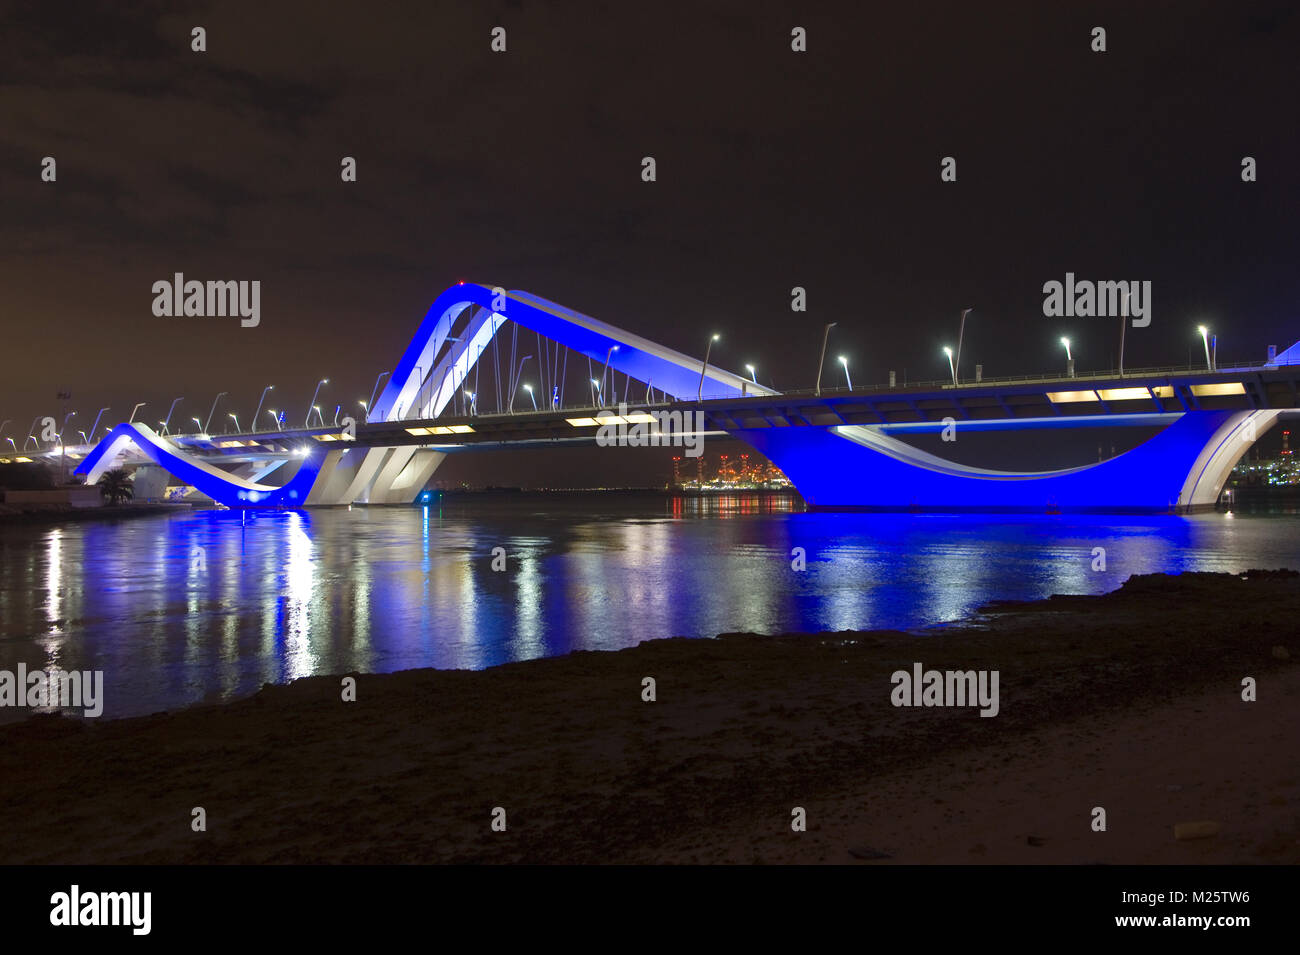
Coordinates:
column 840, row 448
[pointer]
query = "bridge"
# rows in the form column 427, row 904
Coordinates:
column 840, row 447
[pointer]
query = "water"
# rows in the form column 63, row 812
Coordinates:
column 199, row 606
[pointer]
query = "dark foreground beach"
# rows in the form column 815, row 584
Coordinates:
column 1130, row 702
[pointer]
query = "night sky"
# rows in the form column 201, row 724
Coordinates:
column 523, row 169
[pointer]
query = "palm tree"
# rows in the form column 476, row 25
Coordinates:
column 116, row 486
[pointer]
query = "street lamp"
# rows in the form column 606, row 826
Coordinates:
column 699, row 394
column 753, row 375
column 213, row 411
column 84, row 439
column 595, row 392
column 374, row 391
column 236, row 417
column 312, row 404
column 163, row 425
column 826, row 333
column 274, row 420
column 1205, row 340
column 258, row 412
column 951, row 366
column 529, row 389
column 961, row 331
column 1123, row 327
column 198, row 424
column 608, row 355
column 473, row 402
column 133, row 411
column 845, row 362
column 319, row 416
column 1069, row 358
column 167, row 421
column 95, row 426
column 12, row 444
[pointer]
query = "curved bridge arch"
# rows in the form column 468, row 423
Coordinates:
column 672, row 372
column 1183, row 465
column 217, row 484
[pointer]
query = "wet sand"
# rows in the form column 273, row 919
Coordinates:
column 1130, row 701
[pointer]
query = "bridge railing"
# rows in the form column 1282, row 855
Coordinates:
column 587, row 409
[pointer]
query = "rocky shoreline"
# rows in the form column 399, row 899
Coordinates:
column 1104, row 701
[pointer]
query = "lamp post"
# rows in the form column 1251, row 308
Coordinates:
column 12, row 444
column 845, row 362
column 319, row 416
column 826, row 333
column 608, row 355
column 951, row 366
column 753, row 375
column 258, row 412
column 529, row 389
column 699, row 394
column 163, row 426
column 236, row 417
column 961, row 331
column 312, row 404
column 132, row 416
column 595, row 393
column 274, row 420
column 374, row 391
column 95, row 426
column 473, row 402
column 1123, row 326
column 168, row 419
column 199, row 425
column 1069, row 358
column 208, row 424
column 1205, row 340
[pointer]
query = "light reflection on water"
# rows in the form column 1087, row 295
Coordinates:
column 188, row 607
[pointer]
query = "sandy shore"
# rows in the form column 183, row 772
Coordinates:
column 1131, row 702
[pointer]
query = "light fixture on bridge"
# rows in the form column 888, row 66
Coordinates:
column 699, row 395
column 951, row 367
column 532, row 397
column 1205, row 340
column 312, row 404
column 441, row 429
column 258, row 410
column 1069, row 358
column 845, row 362
column 753, row 375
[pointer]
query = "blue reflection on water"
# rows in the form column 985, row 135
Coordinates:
column 208, row 605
